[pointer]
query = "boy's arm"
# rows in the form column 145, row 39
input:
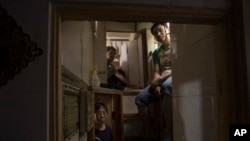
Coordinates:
column 165, row 75
column 156, row 80
column 124, row 80
column 157, row 77
column 121, row 77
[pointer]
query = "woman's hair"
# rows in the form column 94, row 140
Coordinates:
column 158, row 23
column 110, row 48
column 98, row 105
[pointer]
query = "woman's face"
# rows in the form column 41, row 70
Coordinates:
column 101, row 114
column 110, row 55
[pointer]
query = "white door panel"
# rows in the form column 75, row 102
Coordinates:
column 140, row 61
column 194, row 83
column 133, row 67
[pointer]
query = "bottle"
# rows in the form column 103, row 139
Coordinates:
column 95, row 79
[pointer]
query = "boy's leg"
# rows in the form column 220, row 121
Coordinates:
column 145, row 97
column 144, row 101
column 166, row 86
column 142, row 113
column 167, row 114
column 166, row 90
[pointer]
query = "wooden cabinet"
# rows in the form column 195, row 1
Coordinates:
column 133, row 123
column 113, row 100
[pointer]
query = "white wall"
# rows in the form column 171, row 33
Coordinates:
column 195, row 100
column 24, row 100
column 99, row 50
column 77, row 48
column 87, row 43
column 150, row 40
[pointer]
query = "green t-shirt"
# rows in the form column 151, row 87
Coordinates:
column 163, row 57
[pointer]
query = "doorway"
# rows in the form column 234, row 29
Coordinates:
column 81, row 15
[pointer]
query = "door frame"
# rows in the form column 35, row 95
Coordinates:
column 135, row 13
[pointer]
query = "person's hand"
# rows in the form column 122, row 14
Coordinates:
column 116, row 64
column 156, row 81
column 97, row 139
column 157, row 91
